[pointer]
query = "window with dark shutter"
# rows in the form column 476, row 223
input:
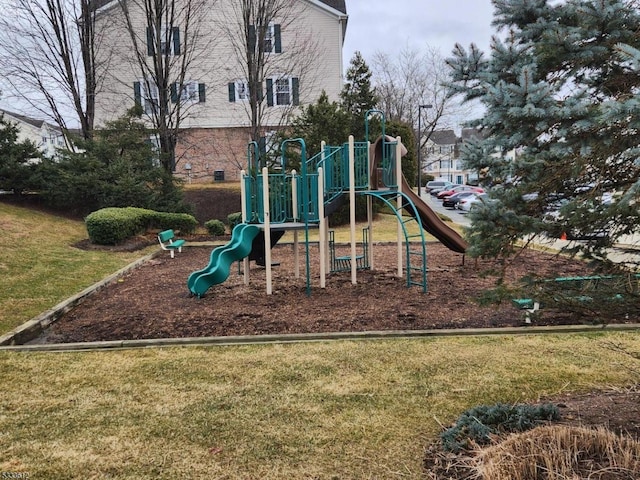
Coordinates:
column 137, row 93
column 270, row 92
column 169, row 40
column 277, row 39
column 295, row 91
column 174, row 93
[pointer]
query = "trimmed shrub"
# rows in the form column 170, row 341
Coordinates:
column 182, row 222
column 215, row 227
column 110, row 226
column 475, row 426
column 234, row 219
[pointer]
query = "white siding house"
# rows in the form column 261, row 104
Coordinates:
column 47, row 137
column 305, row 58
column 442, row 157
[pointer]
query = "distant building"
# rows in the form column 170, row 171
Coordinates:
column 212, row 143
column 47, row 137
column 441, row 156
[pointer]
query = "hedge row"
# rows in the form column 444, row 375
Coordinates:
column 110, row 226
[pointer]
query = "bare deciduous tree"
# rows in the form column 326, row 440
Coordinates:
column 254, row 29
column 167, row 42
column 411, row 79
column 48, row 53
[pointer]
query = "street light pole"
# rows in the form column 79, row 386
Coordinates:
column 420, row 107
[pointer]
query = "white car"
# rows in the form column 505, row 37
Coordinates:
column 466, row 203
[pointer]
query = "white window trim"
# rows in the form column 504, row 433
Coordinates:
column 242, row 91
column 190, row 92
column 166, row 40
column 269, row 36
column 289, row 80
column 148, row 100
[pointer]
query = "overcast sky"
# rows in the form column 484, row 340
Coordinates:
column 389, row 26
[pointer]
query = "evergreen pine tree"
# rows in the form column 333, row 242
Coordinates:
column 16, row 159
column 323, row 120
column 358, row 96
column 561, row 123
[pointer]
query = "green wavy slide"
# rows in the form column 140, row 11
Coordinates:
column 217, row 271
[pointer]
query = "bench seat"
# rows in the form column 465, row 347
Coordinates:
column 169, row 242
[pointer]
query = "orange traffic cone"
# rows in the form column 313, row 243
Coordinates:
column 563, row 236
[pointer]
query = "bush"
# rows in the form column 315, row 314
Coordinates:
column 215, row 227
column 479, row 423
column 343, row 214
column 110, row 226
column 234, row 219
column 115, row 169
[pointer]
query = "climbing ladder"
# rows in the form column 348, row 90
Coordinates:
column 415, row 263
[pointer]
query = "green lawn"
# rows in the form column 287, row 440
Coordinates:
column 342, row 410
column 39, row 267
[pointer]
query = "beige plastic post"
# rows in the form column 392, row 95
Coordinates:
column 267, row 228
column 294, row 199
column 243, row 190
column 322, row 229
column 352, row 208
column 399, row 182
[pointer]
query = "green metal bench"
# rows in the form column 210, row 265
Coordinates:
column 169, row 242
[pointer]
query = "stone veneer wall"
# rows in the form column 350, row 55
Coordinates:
column 211, row 150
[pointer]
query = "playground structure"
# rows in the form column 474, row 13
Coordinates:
column 276, row 202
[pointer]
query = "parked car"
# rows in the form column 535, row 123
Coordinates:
column 434, row 191
column 433, row 184
column 458, row 188
column 466, row 203
column 452, row 200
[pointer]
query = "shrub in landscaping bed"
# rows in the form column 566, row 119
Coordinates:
column 215, row 227
column 234, row 219
column 110, row 226
column 476, row 425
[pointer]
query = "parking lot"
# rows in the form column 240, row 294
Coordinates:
column 455, row 215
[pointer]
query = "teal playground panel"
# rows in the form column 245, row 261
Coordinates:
column 284, row 186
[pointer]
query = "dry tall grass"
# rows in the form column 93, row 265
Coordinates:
column 561, row 453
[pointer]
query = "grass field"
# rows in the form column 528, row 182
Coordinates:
column 342, row 410
column 39, row 267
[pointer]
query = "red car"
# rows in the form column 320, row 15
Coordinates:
column 458, row 189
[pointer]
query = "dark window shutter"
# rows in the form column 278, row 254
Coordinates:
column 262, row 149
column 201, row 93
column 295, row 90
column 277, row 38
column 270, row 92
column 252, row 38
column 174, row 93
column 137, row 93
column 150, row 46
column 232, row 91
column 175, row 34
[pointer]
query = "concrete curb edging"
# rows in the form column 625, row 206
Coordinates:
column 34, row 327
column 312, row 337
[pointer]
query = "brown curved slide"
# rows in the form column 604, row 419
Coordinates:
column 431, row 222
